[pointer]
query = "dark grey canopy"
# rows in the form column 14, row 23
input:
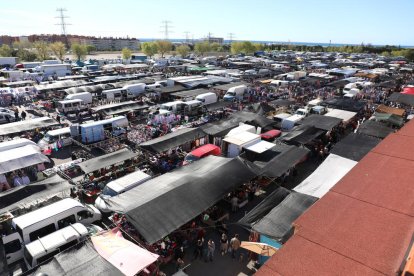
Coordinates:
column 375, row 129
column 163, row 204
column 321, row 122
column 355, row 146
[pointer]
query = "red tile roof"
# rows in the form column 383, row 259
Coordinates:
column 364, row 225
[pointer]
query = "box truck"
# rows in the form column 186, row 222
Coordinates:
column 236, row 92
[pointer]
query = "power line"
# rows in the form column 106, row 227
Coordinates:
column 166, row 28
column 186, row 36
column 62, row 22
column 231, row 36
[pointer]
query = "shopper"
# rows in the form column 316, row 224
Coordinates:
column 235, row 245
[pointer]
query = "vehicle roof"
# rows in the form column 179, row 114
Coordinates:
column 59, row 131
column 71, row 101
column 77, row 94
column 46, row 212
column 106, row 121
column 199, row 152
column 56, row 239
column 172, row 103
column 128, row 180
column 193, row 102
column 206, row 94
column 282, row 115
column 113, row 90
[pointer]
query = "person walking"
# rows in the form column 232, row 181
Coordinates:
column 16, row 115
column 224, row 244
column 23, row 114
column 234, row 203
column 211, row 247
column 235, row 245
column 198, row 251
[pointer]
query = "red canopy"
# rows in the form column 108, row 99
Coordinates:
column 408, row 90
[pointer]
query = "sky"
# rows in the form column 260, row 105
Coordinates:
column 377, row 22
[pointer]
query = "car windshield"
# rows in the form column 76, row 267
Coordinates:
column 191, row 158
column 231, row 93
column 109, row 192
column 49, row 138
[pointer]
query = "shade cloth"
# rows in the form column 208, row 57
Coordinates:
column 26, row 125
column 321, row 122
column 325, row 176
column 375, row 129
column 355, row 146
column 22, row 157
column 163, row 204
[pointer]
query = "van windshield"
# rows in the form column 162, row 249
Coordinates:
column 49, row 138
column 109, row 192
column 190, row 158
column 231, row 93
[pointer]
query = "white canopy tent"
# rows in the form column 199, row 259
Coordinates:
column 325, row 176
column 16, row 143
column 341, row 114
column 21, row 157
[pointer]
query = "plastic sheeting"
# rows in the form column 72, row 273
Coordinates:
column 402, row 98
column 277, row 224
column 26, row 125
column 172, row 140
column 264, row 207
column 321, row 122
column 22, row 157
column 325, row 176
column 375, row 129
column 106, row 160
column 344, row 104
column 163, row 204
column 283, row 162
column 25, row 196
column 355, row 146
column 80, row 260
column 302, row 135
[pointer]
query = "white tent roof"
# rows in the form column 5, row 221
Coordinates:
column 261, row 146
column 16, row 143
column 341, row 114
column 325, row 176
column 241, row 128
column 241, row 138
column 21, row 157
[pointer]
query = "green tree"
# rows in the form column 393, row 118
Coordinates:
column 126, row 53
column 90, row 49
column 149, row 48
column 259, row 47
column 42, row 50
column 248, row 47
column 164, row 46
column 58, row 49
column 5, row 50
column 79, row 51
column 183, row 50
column 26, row 55
column 236, row 48
column 214, row 47
column 202, row 48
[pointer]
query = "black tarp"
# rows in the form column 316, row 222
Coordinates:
column 344, row 104
column 264, row 207
column 355, row 146
column 80, row 260
column 172, row 140
column 190, row 93
column 302, row 135
column 338, row 83
column 106, row 160
column 217, row 105
column 163, row 204
column 222, row 127
column 253, row 119
column 27, row 195
column 27, row 125
column 282, row 102
column 277, row 224
column 284, row 161
column 375, row 129
column 260, row 108
column 402, row 98
column 321, row 122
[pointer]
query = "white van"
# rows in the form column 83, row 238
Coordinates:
column 135, row 89
column 236, row 92
column 52, row 136
column 116, row 94
column 207, row 98
column 176, row 106
column 41, row 222
column 120, row 186
column 66, row 106
column 86, row 97
column 48, row 246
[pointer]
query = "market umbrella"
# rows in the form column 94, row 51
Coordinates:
column 259, row 248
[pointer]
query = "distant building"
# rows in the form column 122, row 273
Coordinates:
column 210, row 39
